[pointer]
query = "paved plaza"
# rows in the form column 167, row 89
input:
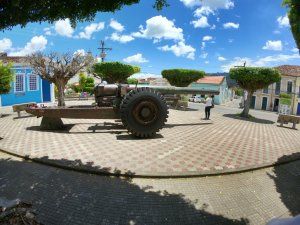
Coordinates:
column 186, row 146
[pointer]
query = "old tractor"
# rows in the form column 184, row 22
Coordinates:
column 142, row 110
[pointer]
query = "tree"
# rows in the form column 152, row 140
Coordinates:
column 49, row 11
column 82, row 81
column 89, row 85
column 58, row 69
column 114, row 72
column 132, row 81
column 252, row 79
column 6, row 77
column 294, row 17
column 182, row 77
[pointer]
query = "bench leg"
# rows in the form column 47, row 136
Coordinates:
column 19, row 114
column 281, row 124
column 294, row 126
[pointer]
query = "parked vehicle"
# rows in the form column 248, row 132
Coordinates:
column 198, row 99
column 191, row 99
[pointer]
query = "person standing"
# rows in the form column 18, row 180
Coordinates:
column 208, row 106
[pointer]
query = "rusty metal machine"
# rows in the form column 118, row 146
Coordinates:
column 142, row 110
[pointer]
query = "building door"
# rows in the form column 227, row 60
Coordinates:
column 276, row 105
column 298, row 109
column 264, row 103
column 46, row 91
column 252, row 104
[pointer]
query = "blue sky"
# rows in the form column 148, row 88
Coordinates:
column 209, row 35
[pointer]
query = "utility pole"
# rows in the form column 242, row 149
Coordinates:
column 242, row 104
column 102, row 48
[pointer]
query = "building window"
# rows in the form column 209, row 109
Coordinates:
column 266, row 90
column 19, row 84
column 289, row 87
column 277, row 88
column 32, row 82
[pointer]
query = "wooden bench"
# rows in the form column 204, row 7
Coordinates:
column 21, row 107
column 285, row 119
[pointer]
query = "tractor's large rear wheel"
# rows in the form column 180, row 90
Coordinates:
column 143, row 112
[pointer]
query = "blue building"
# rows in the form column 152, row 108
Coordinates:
column 217, row 83
column 26, row 86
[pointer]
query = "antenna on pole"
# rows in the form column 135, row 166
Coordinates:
column 102, row 48
column 242, row 66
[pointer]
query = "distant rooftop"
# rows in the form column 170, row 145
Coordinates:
column 211, row 80
column 289, row 70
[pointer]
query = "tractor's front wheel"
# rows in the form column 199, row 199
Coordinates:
column 143, row 112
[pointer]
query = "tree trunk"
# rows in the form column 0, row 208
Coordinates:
column 245, row 112
column 60, row 95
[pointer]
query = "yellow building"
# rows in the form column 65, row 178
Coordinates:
column 268, row 98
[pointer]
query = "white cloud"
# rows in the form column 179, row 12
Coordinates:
column 201, row 22
column 206, row 62
column 90, row 29
column 221, row 58
column 273, row 45
column 213, row 4
column 5, row 44
column 80, row 52
column 116, row 25
column 213, row 27
column 203, row 45
column 204, row 55
column 159, row 27
column 295, row 50
column 230, row 40
column 206, row 11
column 64, row 28
column 137, row 58
column 231, row 25
column 276, row 32
column 180, row 49
column 283, row 21
column 121, row 38
column 47, row 31
column 37, row 43
column 207, row 38
column 268, row 61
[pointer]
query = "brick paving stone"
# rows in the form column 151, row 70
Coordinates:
column 186, row 146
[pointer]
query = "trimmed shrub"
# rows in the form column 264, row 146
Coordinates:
column 182, row 77
column 114, row 72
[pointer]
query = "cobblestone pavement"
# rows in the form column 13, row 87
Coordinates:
column 186, row 146
column 64, row 197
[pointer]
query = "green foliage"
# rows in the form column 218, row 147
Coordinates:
column 132, row 81
column 238, row 91
column 55, row 91
column 294, row 18
column 114, row 72
column 182, row 77
column 51, row 11
column 89, row 85
column 6, row 77
column 254, row 78
column 285, row 99
column 82, row 81
column 285, row 95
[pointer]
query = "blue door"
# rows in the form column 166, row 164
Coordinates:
column 252, row 104
column 46, row 91
column 298, row 109
column 264, row 103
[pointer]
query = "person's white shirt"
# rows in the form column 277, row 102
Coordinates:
column 208, row 102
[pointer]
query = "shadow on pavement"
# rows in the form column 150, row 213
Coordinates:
column 23, row 117
column 66, row 129
column 185, row 124
column 287, row 181
column 68, row 197
column 253, row 120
